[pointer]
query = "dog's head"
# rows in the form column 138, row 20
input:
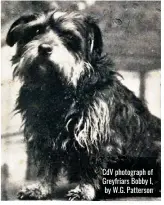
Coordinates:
column 54, row 46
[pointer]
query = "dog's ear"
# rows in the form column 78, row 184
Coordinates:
column 95, row 41
column 17, row 27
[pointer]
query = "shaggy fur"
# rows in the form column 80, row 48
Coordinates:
column 76, row 113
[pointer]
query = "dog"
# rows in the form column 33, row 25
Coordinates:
column 76, row 113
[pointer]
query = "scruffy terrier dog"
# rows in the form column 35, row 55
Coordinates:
column 76, row 112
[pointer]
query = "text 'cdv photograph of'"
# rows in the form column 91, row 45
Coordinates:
column 80, row 108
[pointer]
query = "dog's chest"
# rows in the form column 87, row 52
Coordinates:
column 44, row 108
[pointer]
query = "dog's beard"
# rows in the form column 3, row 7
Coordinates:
column 60, row 63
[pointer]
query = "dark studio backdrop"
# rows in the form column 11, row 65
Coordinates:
column 131, row 34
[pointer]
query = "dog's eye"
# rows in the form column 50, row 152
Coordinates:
column 37, row 31
column 32, row 32
column 68, row 35
column 71, row 40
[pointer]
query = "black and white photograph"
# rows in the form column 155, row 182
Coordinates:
column 81, row 100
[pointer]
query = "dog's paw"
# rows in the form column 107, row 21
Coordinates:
column 33, row 192
column 82, row 192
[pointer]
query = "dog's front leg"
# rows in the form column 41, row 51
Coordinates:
column 37, row 191
column 40, row 190
column 83, row 191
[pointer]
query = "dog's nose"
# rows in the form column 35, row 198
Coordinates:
column 45, row 49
